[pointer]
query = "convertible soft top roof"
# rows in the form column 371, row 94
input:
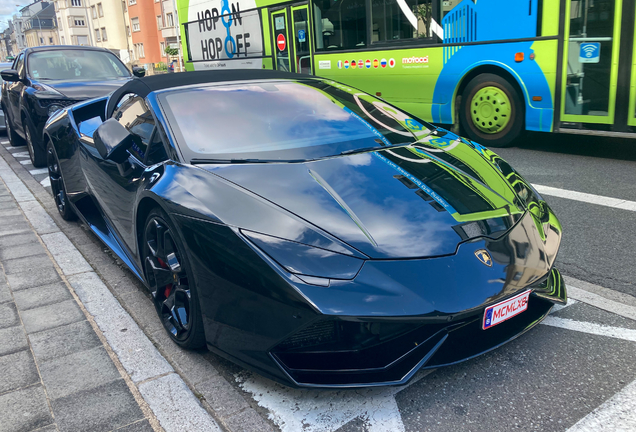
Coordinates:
column 143, row 86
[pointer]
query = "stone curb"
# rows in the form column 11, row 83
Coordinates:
column 86, row 262
column 140, row 359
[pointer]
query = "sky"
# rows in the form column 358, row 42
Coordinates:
column 7, row 9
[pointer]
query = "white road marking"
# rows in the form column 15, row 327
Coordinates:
column 618, row 414
column 26, row 162
column 591, row 328
column 587, row 198
column 39, row 171
column 23, row 154
column 46, row 182
column 13, row 148
column 602, row 302
column 309, row 410
column 559, row 307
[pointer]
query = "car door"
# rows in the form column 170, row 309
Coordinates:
column 14, row 90
column 113, row 185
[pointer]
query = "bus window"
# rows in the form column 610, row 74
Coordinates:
column 340, row 24
column 404, row 19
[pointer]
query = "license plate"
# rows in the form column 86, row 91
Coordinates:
column 500, row 312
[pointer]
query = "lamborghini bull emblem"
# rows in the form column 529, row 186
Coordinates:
column 483, row 256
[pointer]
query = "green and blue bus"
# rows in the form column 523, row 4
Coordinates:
column 492, row 68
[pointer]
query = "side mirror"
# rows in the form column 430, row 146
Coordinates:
column 139, row 72
column 10, row 75
column 112, row 140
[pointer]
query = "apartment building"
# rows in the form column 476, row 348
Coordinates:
column 110, row 27
column 18, row 39
column 6, row 49
column 154, row 26
column 73, row 22
column 40, row 27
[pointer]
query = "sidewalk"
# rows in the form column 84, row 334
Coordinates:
column 176, row 389
column 57, row 374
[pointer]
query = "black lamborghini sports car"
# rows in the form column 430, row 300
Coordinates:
column 305, row 229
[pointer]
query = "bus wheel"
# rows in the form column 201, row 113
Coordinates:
column 491, row 112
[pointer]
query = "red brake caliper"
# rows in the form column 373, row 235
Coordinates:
column 168, row 289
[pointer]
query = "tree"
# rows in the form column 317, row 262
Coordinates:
column 171, row 51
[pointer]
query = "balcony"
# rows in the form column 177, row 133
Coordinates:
column 169, row 32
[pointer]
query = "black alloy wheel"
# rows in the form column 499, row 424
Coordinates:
column 38, row 157
column 171, row 285
column 57, row 185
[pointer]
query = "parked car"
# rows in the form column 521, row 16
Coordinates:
column 305, row 229
column 2, row 120
column 45, row 79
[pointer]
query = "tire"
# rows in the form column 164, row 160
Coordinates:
column 14, row 139
column 57, row 185
column 491, row 112
column 171, row 283
column 37, row 154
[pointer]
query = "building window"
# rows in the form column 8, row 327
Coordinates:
column 57, row 6
column 82, row 40
column 100, row 10
column 159, row 22
column 41, row 41
column 128, row 30
column 97, row 36
column 51, row 40
column 94, row 12
column 77, row 3
column 139, row 50
column 76, row 21
column 132, row 2
column 104, row 37
column 170, row 19
column 123, row 5
column 63, row 40
column 135, row 24
column 162, row 47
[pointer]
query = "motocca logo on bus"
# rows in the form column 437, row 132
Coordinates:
column 413, row 60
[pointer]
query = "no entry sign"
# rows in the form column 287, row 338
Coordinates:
column 280, row 42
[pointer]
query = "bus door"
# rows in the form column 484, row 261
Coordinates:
column 292, row 39
column 597, row 60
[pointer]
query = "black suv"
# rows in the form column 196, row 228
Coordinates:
column 46, row 79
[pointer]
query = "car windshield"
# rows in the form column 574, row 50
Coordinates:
column 75, row 64
column 283, row 120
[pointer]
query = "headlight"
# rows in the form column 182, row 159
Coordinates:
column 54, row 108
column 306, row 260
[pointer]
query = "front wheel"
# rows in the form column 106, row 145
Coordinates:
column 14, row 139
column 491, row 111
column 57, row 185
column 38, row 156
column 171, row 283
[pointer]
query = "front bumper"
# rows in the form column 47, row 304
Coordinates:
column 323, row 355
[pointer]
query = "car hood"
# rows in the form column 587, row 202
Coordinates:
column 81, row 90
column 405, row 202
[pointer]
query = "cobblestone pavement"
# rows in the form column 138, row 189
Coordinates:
column 56, row 372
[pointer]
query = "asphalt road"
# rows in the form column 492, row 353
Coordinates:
column 599, row 243
column 550, row 379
